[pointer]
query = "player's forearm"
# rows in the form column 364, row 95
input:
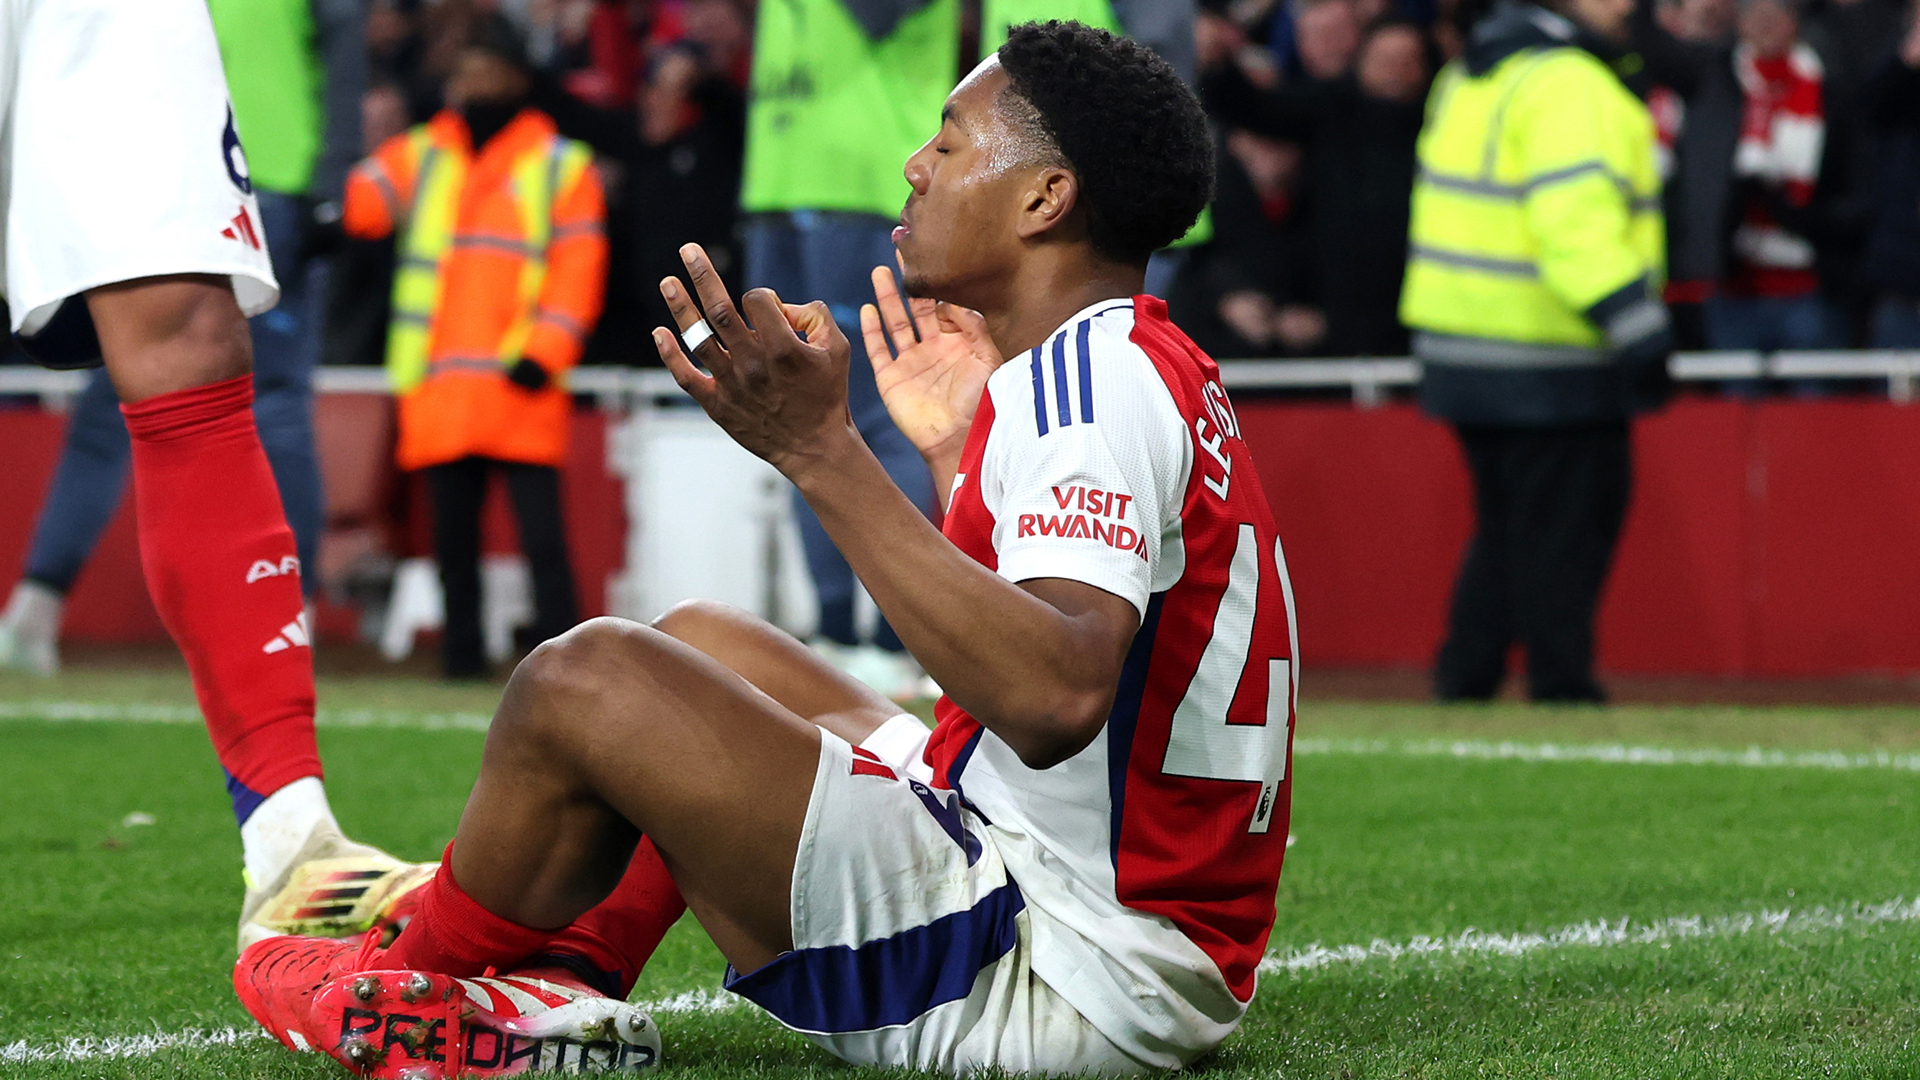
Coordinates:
column 1016, row 663
column 944, row 464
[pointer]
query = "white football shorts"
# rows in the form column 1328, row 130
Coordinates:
column 911, row 945
column 118, row 155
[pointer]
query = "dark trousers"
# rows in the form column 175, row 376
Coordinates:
column 1549, row 503
column 828, row 256
column 459, row 489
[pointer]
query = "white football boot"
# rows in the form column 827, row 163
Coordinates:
column 333, row 888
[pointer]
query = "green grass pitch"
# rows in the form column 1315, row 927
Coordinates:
column 1490, row 895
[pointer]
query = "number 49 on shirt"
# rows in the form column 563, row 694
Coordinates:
column 1201, row 743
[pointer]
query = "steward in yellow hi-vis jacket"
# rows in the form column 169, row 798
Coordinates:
column 1534, row 266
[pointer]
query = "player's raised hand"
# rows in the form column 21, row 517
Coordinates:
column 930, row 360
column 781, row 395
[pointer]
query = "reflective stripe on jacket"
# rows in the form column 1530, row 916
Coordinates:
column 1538, row 197
column 500, row 257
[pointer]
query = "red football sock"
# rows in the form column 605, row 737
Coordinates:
column 621, row 932
column 451, row 934
column 220, row 564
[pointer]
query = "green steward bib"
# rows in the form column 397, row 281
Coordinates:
column 999, row 16
column 276, row 83
column 833, row 116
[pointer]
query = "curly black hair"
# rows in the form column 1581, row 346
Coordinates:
column 1124, row 123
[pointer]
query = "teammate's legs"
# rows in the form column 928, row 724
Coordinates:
column 91, row 477
column 142, row 204
column 612, row 730
column 535, row 494
column 218, row 555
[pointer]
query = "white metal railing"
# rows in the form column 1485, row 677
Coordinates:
column 1367, row 379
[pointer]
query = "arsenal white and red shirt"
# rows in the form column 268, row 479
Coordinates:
column 1110, row 455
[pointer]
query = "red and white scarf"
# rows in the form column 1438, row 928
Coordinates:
column 1782, row 135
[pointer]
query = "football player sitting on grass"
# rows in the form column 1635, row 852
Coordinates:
column 1075, row 871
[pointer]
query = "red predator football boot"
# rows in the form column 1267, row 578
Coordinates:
column 416, row 1025
column 277, row 977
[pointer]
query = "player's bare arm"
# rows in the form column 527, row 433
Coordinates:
column 1036, row 663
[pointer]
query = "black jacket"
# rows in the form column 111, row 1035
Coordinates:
column 1892, row 261
column 1360, row 164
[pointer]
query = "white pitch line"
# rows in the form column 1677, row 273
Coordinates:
column 1597, row 934
column 1753, row 757
column 137, row 1046
column 86, row 712
column 124, row 1046
column 1602, row 934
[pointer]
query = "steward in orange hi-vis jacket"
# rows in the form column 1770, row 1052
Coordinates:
column 502, row 262
column 502, row 266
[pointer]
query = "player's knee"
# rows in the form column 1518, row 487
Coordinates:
column 583, row 664
column 694, row 621
column 575, row 661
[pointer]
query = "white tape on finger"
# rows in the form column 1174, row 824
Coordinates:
column 697, row 335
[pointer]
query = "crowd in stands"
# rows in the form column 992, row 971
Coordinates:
column 1789, row 136
column 1790, row 132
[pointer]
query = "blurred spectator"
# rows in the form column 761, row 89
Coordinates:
column 1327, row 37
column 1853, row 39
column 1697, row 105
column 1219, row 38
column 673, row 156
column 1771, row 296
column 684, row 184
column 295, row 70
column 1532, row 290
column 1892, row 262
column 603, row 37
column 499, row 224
column 1246, row 292
column 1708, row 22
column 360, row 282
column 411, row 45
column 843, row 92
column 1358, row 131
column 1766, row 198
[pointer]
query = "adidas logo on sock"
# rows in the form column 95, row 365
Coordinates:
column 292, row 635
